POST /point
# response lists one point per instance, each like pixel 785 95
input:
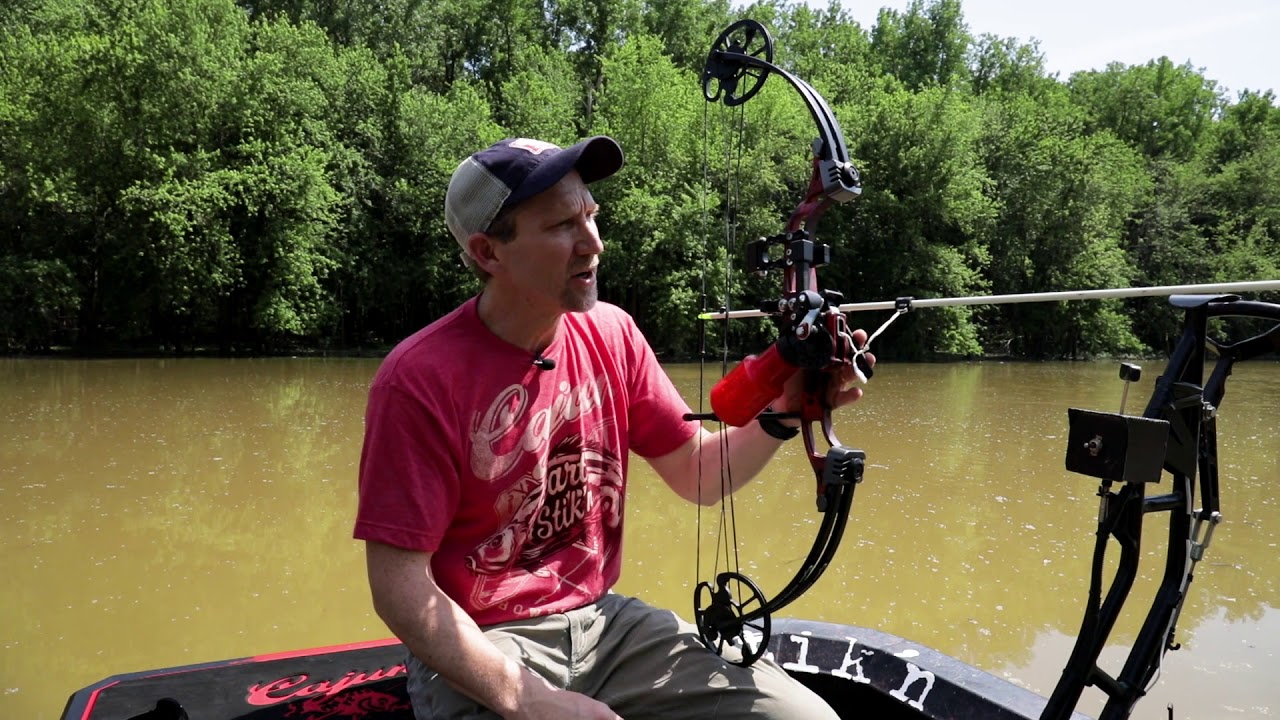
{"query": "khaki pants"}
pixel 640 661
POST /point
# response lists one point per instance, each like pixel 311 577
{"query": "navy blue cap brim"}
pixel 595 158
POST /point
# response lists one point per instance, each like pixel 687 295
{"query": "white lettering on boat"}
pixel 913 674
pixel 850 662
pixel 802 661
pixel 915 687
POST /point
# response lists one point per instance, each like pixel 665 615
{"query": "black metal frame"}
pixel 1188 404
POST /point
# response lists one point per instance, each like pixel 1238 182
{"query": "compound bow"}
pixel 813 338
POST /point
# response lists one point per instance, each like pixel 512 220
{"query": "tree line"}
pixel 251 176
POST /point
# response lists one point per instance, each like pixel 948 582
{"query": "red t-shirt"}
pixel 514 476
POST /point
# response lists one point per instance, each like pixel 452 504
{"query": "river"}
pixel 165 512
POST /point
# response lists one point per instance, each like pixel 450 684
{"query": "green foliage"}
pixel 651 218
pixel 1249 124
pixel 37 299
pixel 542 98
pixel 1162 109
pixel 1064 197
pixel 924 45
pixel 685 28
pixel 408 272
pixel 922 226
pixel 268 174
pixel 1007 66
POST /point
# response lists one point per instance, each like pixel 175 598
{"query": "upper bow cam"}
pixel 814 337
pixel 737 66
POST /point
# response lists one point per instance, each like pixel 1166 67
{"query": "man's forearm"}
pixel 747 450
pixel 442 635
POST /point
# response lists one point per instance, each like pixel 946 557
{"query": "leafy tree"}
pixel 685 28
pixel 1243 203
pixel 921 227
pixel 184 185
pixel 924 45
pixel 408 272
pixel 1064 198
pixel 1247 125
pixel 1008 66
pixel 258 174
pixel 654 214
pixel 829 50
pixel 542 98
pixel 1161 109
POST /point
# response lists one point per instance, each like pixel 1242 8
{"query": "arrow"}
pixel 1107 293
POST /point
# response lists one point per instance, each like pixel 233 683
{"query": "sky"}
pixel 1235 42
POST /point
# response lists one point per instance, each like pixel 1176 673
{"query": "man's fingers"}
pixel 844 397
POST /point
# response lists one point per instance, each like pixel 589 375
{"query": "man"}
pixel 493 475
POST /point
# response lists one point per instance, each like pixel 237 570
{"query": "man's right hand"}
pixel 436 629
pixel 539 700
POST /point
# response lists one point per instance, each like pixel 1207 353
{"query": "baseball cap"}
pixel 516 169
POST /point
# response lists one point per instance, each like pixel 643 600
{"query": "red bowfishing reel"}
pixel 813 335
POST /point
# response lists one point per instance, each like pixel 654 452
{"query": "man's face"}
pixel 551 261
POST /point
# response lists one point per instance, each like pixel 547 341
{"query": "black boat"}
pixel 860 672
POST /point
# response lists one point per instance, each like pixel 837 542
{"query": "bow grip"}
pixel 750 387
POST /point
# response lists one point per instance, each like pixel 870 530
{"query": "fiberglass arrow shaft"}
pixel 1251 286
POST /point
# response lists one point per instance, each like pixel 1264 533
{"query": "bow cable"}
pixel 727 535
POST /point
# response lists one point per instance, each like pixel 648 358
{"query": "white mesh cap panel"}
pixel 472 201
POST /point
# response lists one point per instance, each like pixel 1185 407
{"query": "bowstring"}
pixel 733 153
pixel 702 336
pixel 727 542
pixel 866 346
